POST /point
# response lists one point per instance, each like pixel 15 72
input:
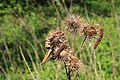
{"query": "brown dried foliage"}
pixel 90 31
pixel 56 40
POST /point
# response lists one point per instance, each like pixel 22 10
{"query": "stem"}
pixel 65 68
pixel 84 40
pixel 21 52
pixel 82 44
pixel 68 74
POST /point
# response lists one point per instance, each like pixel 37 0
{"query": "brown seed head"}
pixel 75 24
pixel 55 43
pixel 73 63
pixel 90 31
pixel 100 38
pixel 54 38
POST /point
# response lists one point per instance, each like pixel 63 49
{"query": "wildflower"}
pixel 54 38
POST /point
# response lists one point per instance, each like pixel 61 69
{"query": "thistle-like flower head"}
pixel 91 30
pixel 55 38
pixel 75 24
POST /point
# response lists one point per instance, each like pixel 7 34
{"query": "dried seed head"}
pixel 73 63
pixel 75 24
pixel 54 38
pixel 55 43
pixel 91 31
pixel 100 38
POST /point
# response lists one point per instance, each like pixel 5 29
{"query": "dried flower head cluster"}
pixel 75 24
pixel 54 41
pixel 73 63
pixel 56 44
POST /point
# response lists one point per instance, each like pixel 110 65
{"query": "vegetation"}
pixel 24 25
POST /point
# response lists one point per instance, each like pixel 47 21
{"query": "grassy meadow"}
pixel 23 31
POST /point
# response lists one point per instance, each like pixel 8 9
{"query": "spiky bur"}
pixel 75 24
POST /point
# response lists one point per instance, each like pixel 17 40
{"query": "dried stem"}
pixel 33 63
pixel 69 74
pixel 84 40
pixel 4 72
pixel 21 52
pixel 7 50
pixel 82 44
pixel 65 69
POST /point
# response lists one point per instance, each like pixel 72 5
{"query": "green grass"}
pixel 22 47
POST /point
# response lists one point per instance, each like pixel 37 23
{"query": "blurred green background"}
pixel 24 24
